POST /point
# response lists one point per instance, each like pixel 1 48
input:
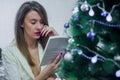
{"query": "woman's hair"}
pixel 19 32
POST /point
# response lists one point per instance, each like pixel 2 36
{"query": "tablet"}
pixel 54 45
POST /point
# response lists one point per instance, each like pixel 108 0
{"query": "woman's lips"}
pixel 37 33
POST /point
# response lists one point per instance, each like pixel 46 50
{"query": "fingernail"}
pixel 61 53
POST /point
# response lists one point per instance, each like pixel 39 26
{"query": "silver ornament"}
pixel 109 17
pixel 84 7
pixel 94 59
pixel 71 40
pixel 68 57
pixel 117 73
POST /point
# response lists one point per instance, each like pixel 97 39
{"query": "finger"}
pixel 49 32
pixel 57 59
pixel 43 28
pixel 58 64
pixel 51 77
pixel 44 31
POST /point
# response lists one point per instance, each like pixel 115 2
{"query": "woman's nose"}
pixel 40 26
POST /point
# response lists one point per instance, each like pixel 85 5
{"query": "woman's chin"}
pixel 37 37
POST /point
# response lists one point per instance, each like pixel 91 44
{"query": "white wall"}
pixel 59 12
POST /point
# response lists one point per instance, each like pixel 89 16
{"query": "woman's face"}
pixel 32 25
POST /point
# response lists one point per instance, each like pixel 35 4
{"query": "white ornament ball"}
pixel 71 40
pixel 68 57
pixel 117 58
pixel 84 7
pixel 117 73
pixel 94 59
pixel 91 12
pixel 58 79
pixel 109 18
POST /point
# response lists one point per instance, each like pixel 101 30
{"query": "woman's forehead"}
pixel 33 15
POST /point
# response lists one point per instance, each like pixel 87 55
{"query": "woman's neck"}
pixel 32 44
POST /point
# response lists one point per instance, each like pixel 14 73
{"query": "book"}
pixel 54 45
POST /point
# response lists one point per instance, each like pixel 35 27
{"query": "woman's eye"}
pixel 42 22
pixel 33 22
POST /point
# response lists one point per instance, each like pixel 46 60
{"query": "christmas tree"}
pixel 93 52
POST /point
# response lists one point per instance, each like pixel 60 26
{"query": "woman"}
pixel 22 57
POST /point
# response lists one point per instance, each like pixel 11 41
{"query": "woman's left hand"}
pixel 48 31
pixel 48 72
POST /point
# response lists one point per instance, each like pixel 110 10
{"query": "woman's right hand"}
pixel 50 69
pixel 49 31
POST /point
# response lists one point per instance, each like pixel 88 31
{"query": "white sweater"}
pixel 16 65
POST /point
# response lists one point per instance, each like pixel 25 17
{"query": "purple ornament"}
pixel 76 19
pixel 91 35
pixel 104 14
pixel 66 25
